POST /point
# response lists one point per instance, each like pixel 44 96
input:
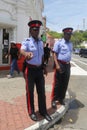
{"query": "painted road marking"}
pixel 76 70
pixel 80 61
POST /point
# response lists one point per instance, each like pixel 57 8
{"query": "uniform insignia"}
pixel 27 39
pixel 32 46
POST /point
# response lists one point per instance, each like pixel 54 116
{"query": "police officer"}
pixel 62 55
pixel 32 49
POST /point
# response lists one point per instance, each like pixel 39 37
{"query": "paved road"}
pixel 76 117
pixel 13 110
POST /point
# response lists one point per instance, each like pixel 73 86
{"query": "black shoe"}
pixel 61 102
pixel 33 116
pixel 47 117
pixel 53 104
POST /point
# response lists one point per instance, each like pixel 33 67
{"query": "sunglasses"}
pixel 35 29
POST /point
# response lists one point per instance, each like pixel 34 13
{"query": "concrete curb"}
pixel 59 113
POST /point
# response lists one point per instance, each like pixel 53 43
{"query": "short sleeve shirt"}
pixel 14 53
pixel 36 47
pixel 63 49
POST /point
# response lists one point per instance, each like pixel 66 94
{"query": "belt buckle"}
pixel 67 62
pixel 37 66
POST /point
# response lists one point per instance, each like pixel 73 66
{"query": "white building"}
pixel 14 16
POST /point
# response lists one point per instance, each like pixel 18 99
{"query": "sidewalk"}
pixel 13 110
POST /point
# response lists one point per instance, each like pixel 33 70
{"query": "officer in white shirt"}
pixel 32 49
pixel 62 51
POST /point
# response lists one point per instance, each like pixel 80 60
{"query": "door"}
pixel 0 46
pixel 5 46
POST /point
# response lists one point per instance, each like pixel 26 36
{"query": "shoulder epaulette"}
pixel 27 39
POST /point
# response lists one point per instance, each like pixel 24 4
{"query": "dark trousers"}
pixel 60 83
pixel 34 76
pixel 46 58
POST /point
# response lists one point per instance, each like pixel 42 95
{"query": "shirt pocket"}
pixel 41 50
pixel 63 49
pixel 33 49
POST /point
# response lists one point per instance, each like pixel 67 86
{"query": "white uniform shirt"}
pixel 36 47
pixel 63 50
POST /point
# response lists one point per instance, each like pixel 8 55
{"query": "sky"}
pixel 65 13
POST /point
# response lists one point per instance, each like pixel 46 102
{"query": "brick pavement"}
pixel 13 110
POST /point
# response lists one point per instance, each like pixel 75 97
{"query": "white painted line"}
pixel 76 70
pixel 80 61
pixel 61 109
pixel 44 124
pixel 37 125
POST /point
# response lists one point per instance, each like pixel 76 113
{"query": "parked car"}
pixel 76 50
pixel 83 52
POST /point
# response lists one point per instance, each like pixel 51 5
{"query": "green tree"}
pixel 55 34
pixel 85 35
pixel 77 38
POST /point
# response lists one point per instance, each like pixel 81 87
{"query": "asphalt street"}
pixel 76 117
pixel 12 91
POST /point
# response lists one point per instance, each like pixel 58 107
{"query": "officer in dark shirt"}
pixel 14 57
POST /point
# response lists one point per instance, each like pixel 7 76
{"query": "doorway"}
pixel 5 45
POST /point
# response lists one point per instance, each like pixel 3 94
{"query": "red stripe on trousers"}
pixel 53 85
pixel 27 91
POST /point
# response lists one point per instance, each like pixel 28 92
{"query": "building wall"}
pixel 14 16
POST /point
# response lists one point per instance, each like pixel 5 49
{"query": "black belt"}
pixel 63 62
pixel 34 66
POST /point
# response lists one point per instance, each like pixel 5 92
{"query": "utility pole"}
pixel 78 27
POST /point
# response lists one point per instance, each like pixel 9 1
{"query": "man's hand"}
pixel 58 67
pixel 28 55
